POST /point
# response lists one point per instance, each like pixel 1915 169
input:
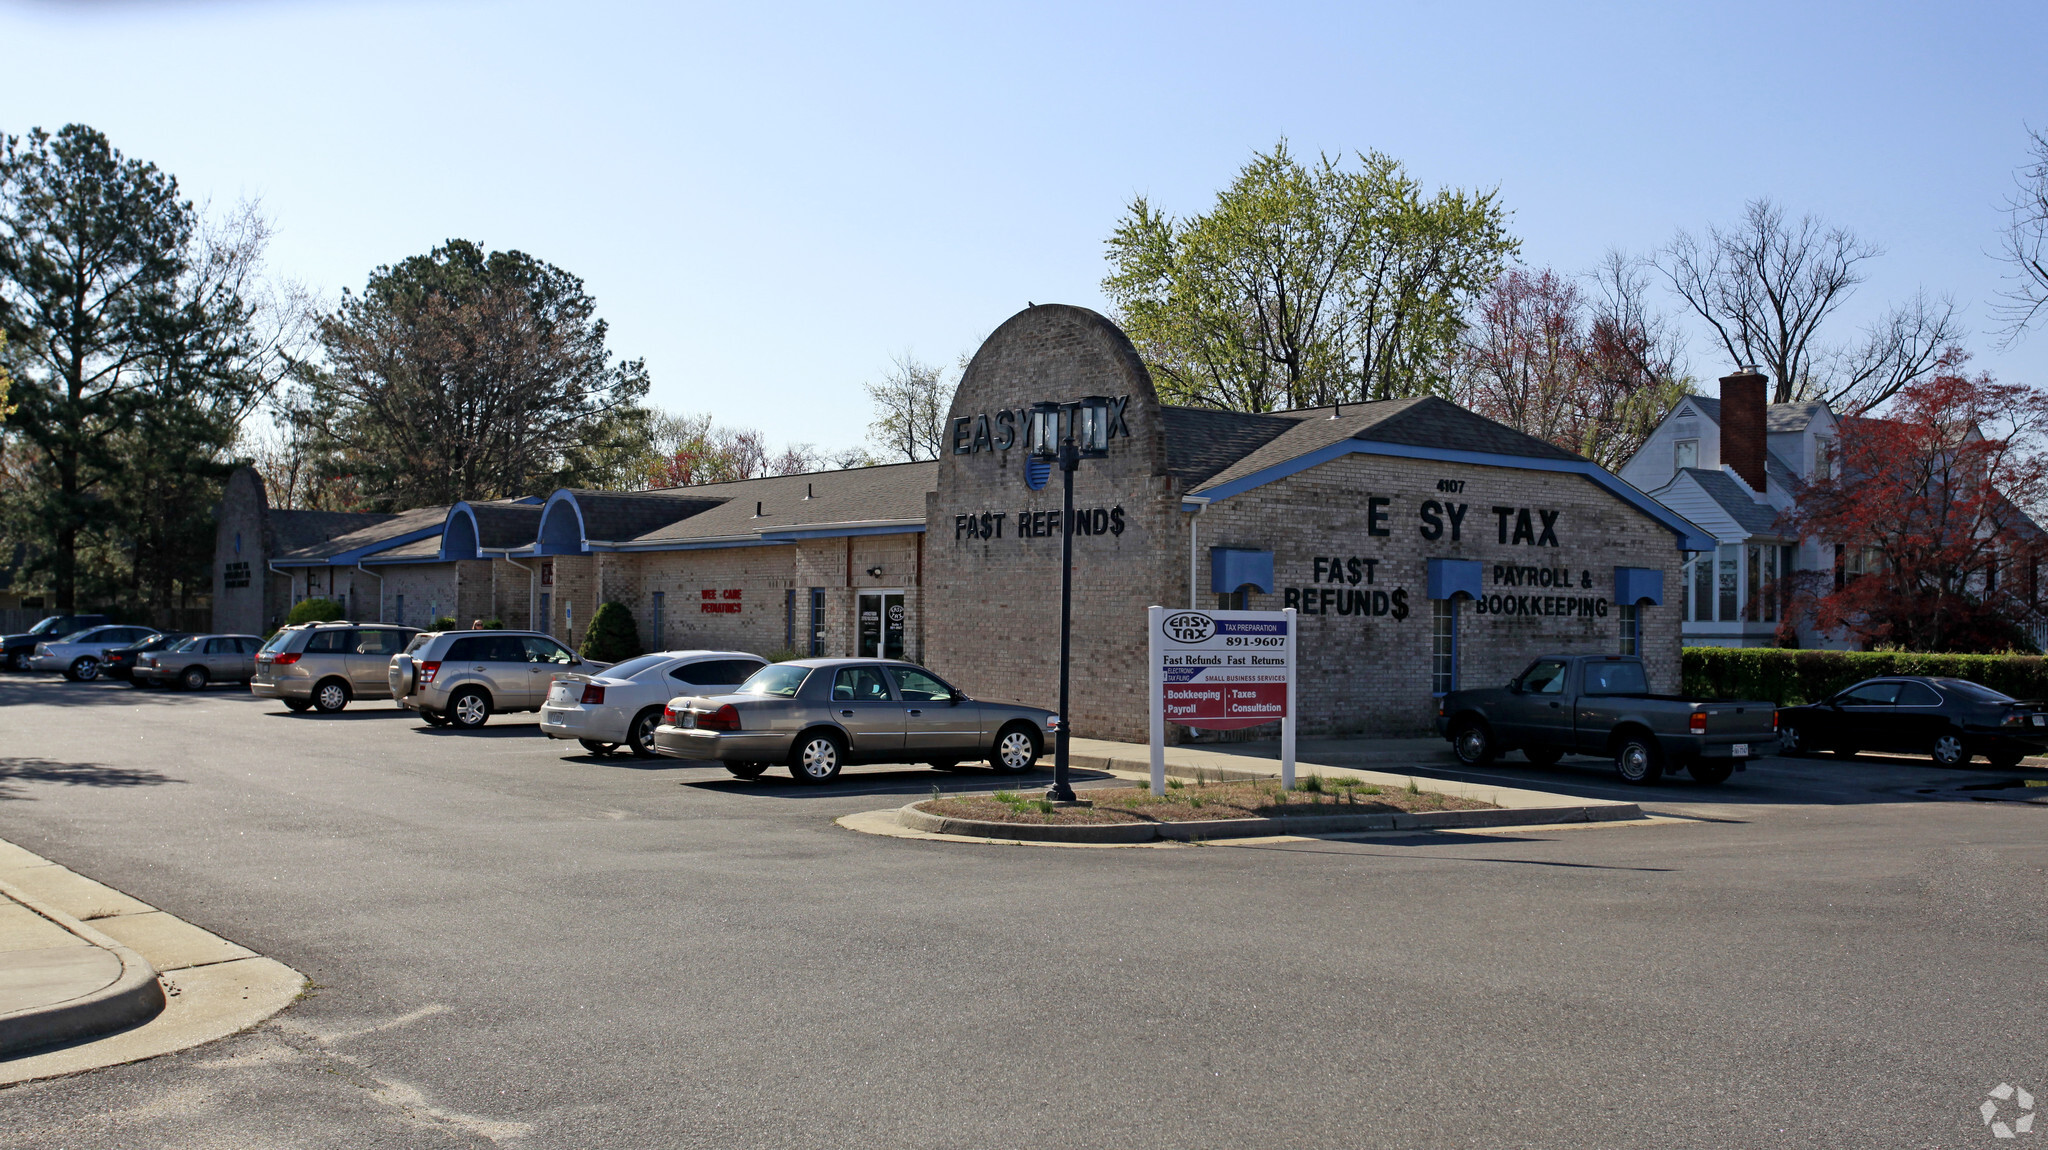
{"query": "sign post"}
pixel 1221 671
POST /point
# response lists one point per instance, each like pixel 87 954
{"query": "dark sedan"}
pixel 1949 719
pixel 119 662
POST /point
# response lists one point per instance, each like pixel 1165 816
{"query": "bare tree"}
pixel 1768 287
pixel 911 403
pixel 2026 243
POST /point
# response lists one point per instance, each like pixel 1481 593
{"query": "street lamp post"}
pixel 1067 433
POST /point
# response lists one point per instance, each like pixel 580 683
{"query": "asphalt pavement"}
pixel 515 943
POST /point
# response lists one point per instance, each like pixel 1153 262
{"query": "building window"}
pixel 1238 600
pixel 817 622
pixel 1730 582
pixel 660 601
pixel 545 617
pixel 1631 623
pixel 1443 651
pixel 1823 458
pixel 1685 453
pixel 1703 588
pixel 789 619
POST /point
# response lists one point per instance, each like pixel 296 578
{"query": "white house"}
pixel 1730 465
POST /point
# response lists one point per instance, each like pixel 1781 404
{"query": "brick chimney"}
pixel 1742 425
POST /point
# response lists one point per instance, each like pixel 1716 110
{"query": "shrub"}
pixel 442 623
pixel 612 636
pixel 493 625
pixel 313 611
pixel 1791 678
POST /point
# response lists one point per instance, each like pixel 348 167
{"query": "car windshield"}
pixel 1977 691
pixel 47 625
pixel 779 680
pixel 187 643
pixel 632 667
pixel 278 640
pixel 418 641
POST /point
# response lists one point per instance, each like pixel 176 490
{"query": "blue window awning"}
pixel 1449 578
pixel 1231 569
pixel 1633 585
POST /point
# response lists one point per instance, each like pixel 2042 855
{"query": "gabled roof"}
pixel 890 497
pixel 294 530
pixel 1201 441
pixel 1420 421
pixel 1778 417
pixel 1753 517
pixel 504 523
pixel 389 531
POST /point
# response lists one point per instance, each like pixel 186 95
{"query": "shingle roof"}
pixel 1777 416
pixel 891 492
pixel 386 527
pixel 612 516
pixel 428 548
pixel 1202 441
pixel 1755 518
pixel 1421 421
pixel 506 523
pixel 293 530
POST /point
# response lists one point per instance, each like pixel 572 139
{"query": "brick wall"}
pixel 240 549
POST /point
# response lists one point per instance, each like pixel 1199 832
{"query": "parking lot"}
pixel 516 943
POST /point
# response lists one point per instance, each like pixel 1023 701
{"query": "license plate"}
pixel 1739 750
pixel 2041 720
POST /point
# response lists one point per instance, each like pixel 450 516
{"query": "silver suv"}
pixel 324 665
pixel 460 678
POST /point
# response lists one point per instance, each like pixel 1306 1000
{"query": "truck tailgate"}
pixel 1737 721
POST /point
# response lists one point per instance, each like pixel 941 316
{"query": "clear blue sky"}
pixel 769 201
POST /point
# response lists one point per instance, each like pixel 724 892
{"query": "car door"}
pixel 219 658
pixel 1864 718
pixel 1538 714
pixel 1918 718
pixel 865 706
pixel 544 659
pixel 936 720
pixel 369 659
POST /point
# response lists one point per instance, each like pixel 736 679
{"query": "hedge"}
pixel 1790 678
pixel 313 611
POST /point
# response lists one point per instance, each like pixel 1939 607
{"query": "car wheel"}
pixel 597 748
pixel 1016 750
pixel 194 679
pixel 296 706
pixel 17 661
pixel 1710 771
pixel 817 757
pixel 640 736
pixel 329 696
pixel 1789 744
pixel 1473 741
pixel 746 770
pixel 2006 758
pixel 1638 760
pixel 434 718
pixel 83 669
pixel 469 709
pixel 1949 750
pixel 1543 756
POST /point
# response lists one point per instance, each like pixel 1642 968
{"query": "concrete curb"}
pixel 134 998
pixel 929 823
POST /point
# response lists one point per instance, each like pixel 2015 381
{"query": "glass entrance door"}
pixel 881 631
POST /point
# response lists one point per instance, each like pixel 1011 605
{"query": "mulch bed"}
pixel 1201 802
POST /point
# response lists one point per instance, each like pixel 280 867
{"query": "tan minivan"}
pixel 324 665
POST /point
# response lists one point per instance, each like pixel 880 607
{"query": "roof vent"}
pixel 808 493
pixel 757 509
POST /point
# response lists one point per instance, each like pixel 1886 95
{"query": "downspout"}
pixel 531 590
pixel 380 589
pixel 1201 503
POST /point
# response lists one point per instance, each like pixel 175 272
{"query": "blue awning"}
pixel 1633 585
pixel 1231 569
pixel 1449 578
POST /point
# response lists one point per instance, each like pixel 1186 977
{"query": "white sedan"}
pixel 78 654
pixel 622 704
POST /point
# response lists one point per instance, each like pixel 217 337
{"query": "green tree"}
pixel 612 635
pixel 1305 286
pixel 468 374
pixel 136 345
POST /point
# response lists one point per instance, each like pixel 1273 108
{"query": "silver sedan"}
pixel 817 715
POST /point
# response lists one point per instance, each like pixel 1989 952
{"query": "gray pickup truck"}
pixel 1602 705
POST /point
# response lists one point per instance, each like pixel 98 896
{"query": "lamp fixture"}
pixel 875 572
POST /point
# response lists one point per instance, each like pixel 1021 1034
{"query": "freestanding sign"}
pixel 1221 671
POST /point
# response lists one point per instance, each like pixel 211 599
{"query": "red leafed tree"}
pixel 1925 505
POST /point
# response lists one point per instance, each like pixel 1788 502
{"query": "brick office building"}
pixel 1425 546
